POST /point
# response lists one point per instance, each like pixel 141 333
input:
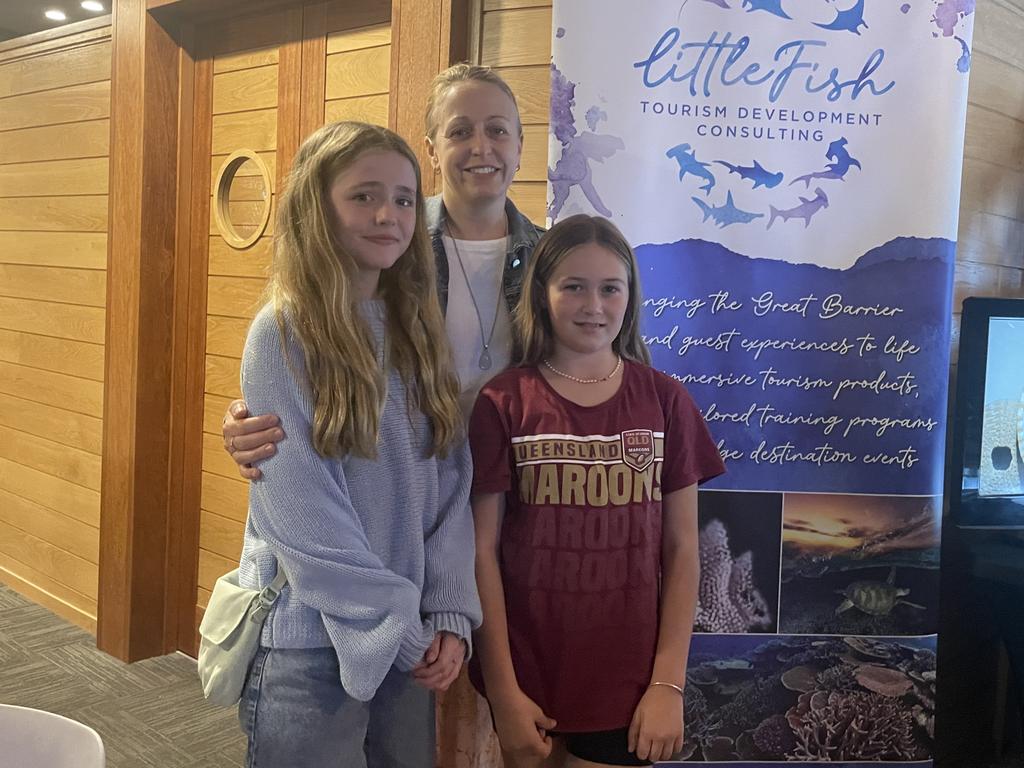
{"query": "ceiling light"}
pixel 92 5
pixel 55 15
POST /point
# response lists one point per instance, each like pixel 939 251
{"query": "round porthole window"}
pixel 241 206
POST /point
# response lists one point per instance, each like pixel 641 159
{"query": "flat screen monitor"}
pixel 986 471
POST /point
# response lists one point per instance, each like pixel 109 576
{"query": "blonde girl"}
pixel 365 505
pixel 586 465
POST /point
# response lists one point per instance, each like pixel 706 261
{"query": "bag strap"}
pixel 268 596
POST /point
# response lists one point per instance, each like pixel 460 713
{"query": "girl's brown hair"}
pixel 533 336
pixel 311 284
pixel 462 73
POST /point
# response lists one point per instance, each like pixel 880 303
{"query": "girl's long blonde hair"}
pixel 533 337
pixel 311 284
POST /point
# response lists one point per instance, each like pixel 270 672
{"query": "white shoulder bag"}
pixel 230 634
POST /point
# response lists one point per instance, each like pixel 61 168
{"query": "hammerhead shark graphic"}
pixel 755 173
pixel 724 215
pixel 689 164
pixel 807 208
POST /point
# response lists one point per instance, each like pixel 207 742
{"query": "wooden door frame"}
pixel 156 283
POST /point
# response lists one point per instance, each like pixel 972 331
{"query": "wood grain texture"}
pixel 56 389
pixel 221 535
pixel 74 501
pixel 59 38
pixel 70 286
pixel 360 37
pixel 255 130
pixel 133 619
pixel 532 87
pixel 55 214
pixel 47 456
pixel 47 353
pixel 367 109
pixel 222 376
pixel 253 261
pixel 358 73
pixel 212 567
pixel 225 336
pixel 235 296
pixel 515 38
pixel 56 142
pixel 55 249
pixel 73 103
pixel 40 588
pixel 74 66
pixel 225 496
pixel 530 198
pixel 75 537
pixel 245 90
pixel 53 422
pixel 58 565
pixel 256 57
pixel 67 321
pixel 56 177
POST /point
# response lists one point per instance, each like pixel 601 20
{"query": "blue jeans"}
pixel 296 713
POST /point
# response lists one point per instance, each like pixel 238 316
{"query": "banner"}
pixel 789 172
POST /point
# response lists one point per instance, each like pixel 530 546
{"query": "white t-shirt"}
pixel 484 261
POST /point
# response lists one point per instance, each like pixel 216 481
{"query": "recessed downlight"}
pixel 54 15
pixel 93 5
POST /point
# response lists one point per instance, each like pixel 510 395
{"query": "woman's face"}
pixel 478 142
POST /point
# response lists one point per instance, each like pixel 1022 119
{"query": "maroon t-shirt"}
pixel 580 549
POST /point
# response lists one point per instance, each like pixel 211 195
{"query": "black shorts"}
pixel 609 747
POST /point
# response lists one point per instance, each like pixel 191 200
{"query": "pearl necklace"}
pixel 564 375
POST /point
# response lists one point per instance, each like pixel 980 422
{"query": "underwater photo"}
pixel 809 699
pixel 864 565
pixel 740 539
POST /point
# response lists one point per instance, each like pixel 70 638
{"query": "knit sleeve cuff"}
pixel 414 647
pixel 456 623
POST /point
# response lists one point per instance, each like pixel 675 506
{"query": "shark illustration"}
pixel 772 6
pixel 807 208
pixel 755 173
pixel 689 164
pixel 724 215
pixel 842 161
pixel 840 157
pixel 849 20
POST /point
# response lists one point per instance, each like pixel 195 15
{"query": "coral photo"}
pixel 740 535
pixel 809 699
pixel 865 565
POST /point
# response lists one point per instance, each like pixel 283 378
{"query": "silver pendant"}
pixel 485 360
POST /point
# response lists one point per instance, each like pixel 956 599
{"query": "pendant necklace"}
pixel 485 362
pixel 578 380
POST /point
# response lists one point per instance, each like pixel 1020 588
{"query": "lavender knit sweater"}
pixel 379 553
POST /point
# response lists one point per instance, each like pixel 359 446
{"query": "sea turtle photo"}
pixel 875 598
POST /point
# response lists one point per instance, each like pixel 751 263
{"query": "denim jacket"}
pixel 523 237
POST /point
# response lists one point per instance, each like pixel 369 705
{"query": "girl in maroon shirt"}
pixel 586 465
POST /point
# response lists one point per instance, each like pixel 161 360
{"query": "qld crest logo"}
pixel 638 448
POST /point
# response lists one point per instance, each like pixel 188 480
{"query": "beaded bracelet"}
pixel 669 685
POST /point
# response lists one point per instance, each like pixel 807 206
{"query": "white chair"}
pixel 32 738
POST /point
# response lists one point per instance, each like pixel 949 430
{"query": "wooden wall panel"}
pixel 515 38
pixel 990 246
pixel 54 178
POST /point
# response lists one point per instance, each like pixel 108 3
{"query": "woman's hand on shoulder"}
pixel 522 726
pixel 441 663
pixel 249 439
pixel 656 732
